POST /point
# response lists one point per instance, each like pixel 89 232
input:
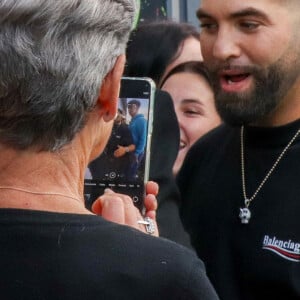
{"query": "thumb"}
pixel 97 206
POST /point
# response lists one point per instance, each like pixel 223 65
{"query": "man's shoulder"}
pixel 174 265
pixel 214 140
pixel 169 264
pixel 207 150
pixel 160 267
pixel 217 134
pixel 140 117
pixel 154 247
pixel 162 252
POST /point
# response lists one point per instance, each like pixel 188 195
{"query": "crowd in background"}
pixel 220 215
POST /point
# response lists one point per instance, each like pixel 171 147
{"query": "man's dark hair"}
pixel 136 102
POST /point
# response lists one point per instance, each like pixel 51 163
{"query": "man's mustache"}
pixel 221 67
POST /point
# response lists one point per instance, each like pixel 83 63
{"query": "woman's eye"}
pixel 192 112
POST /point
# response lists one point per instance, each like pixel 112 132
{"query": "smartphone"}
pixel 124 164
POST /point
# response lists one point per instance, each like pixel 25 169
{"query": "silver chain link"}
pixel 248 200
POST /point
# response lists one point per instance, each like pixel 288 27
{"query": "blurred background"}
pixel 177 10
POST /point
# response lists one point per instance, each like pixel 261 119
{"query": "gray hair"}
pixel 54 55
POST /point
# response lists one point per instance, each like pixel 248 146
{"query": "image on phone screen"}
pixel 123 166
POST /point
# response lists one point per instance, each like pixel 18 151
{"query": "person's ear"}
pixel 109 92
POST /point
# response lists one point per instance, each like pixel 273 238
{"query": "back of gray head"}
pixel 54 55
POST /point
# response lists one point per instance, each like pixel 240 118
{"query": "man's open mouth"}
pixel 231 79
pixel 235 80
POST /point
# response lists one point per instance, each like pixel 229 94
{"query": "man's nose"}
pixel 226 45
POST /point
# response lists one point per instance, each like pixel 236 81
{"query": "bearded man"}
pixel 239 183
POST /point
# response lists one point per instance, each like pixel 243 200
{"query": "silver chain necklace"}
pixel 245 213
pixel 39 193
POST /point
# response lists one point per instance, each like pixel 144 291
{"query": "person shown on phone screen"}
pixel 118 155
pixel 114 163
pixel 138 128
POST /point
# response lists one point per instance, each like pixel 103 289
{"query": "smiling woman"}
pixel 154 48
pixel 190 88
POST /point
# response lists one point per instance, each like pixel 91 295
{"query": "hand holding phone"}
pixel 124 164
pixel 119 209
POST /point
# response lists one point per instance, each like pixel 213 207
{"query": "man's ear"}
pixel 109 92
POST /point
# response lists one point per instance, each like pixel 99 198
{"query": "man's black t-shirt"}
pixel 46 255
pixel 254 261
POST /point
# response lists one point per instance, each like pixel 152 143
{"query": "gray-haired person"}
pixel 60 67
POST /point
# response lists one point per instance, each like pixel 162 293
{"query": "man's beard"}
pixel 268 90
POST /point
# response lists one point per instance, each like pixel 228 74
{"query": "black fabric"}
pixel 46 255
pixel 254 261
pixel 164 149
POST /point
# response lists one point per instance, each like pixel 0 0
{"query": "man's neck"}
pixel 37 172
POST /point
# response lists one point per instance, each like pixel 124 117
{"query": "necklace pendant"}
pixel 245 215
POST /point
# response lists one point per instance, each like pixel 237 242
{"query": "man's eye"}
pixel 249 25
pixel 208 26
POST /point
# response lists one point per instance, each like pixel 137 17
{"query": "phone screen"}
pixel 123 166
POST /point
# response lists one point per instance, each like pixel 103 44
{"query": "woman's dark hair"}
pixel 193 67
pixel 154 45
